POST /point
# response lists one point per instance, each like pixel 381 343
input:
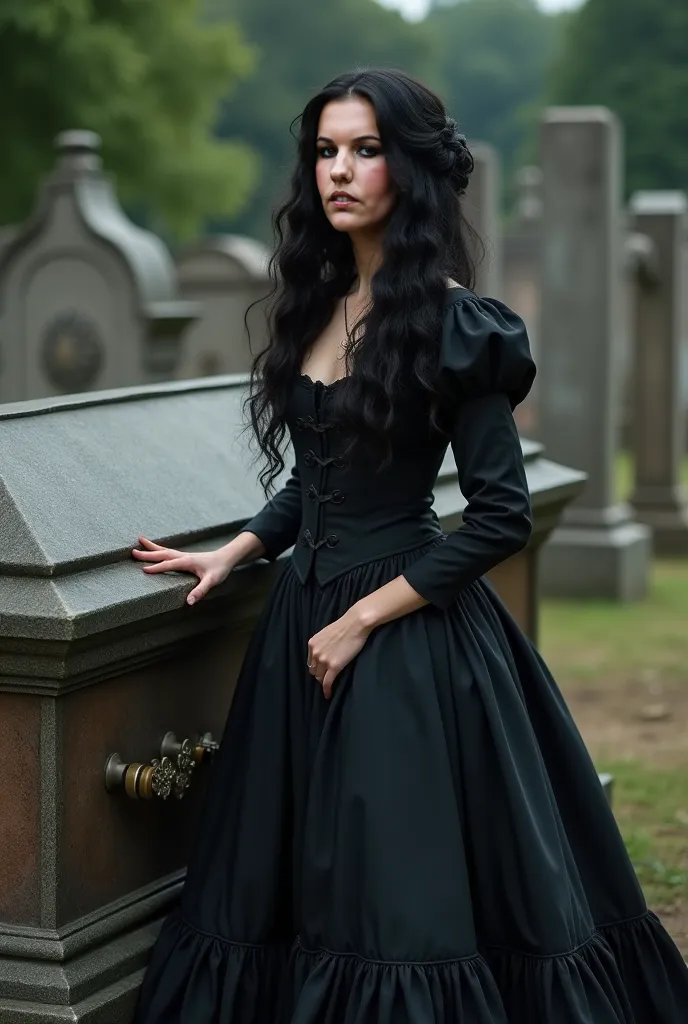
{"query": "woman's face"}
pixel 350 160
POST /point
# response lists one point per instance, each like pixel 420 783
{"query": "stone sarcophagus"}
pixel 105 671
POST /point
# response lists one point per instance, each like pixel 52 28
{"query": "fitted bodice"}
pixel 350 511
pixel 340 510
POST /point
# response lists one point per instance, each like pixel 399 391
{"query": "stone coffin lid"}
pixel 81 477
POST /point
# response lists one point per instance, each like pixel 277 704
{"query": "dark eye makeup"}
pixel 371 151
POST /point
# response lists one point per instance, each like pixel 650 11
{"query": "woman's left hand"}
pixel 331 650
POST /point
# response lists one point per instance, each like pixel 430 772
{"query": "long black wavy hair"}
pixel 426 241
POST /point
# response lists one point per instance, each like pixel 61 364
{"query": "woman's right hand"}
pixel 211 567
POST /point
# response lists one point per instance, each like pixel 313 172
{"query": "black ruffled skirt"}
pixel 430 846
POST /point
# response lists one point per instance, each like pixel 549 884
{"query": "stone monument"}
pixel 659 421
pixel 521 252
pixel 225 274
pixel 521 274
pixel 482 209
pixel 600 550
pixel 87 299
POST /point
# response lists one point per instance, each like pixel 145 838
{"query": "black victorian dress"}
pixel 432 845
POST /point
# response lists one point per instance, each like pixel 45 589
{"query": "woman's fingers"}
pixel 328 682
pixel 151 550
pixel 209 569
pixel 321 673
pixel 201 590
pixel 178 564
pixel 155 556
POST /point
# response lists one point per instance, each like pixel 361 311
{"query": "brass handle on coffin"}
pixel 168 775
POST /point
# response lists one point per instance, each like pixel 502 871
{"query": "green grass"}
pixel 652 809
pixel 625 475
pixel 611 642
pixel 602 646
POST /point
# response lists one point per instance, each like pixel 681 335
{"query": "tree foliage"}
pixel 301 45
pixel 492 62
pixel 147 76
pixel 632 56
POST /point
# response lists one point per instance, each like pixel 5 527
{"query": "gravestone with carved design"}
pixel 88 300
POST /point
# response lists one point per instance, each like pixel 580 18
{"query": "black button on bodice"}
pixel 310 423
pixel 337 496
pixel 307 540
pixel 317 492
pixel 311 459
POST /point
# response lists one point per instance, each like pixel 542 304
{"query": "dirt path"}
pixel 642 719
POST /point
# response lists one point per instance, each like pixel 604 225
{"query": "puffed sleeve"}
pixel 487 368
pixel 277 524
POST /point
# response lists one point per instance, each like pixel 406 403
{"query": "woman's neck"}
pixel 368 257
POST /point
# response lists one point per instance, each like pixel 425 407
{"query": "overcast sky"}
pixel 414 9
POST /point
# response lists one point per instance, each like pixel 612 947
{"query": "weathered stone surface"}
pixel 660 323
pixel 600 550
pixel 482 209
pixel 87 298
pixel 20 837
pixel 224 274
pixel 521 273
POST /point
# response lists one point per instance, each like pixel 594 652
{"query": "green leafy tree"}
pixel 493 58
pixel 302 45
pixel 147 76
pixel 632 56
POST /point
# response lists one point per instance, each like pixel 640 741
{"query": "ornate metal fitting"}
pixel 164 776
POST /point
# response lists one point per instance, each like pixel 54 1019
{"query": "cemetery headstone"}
pixel 225 274
pixel 481 207
pixel 521 271
pixel 521 252
pixel 87 299
pixel 659 434
pixel 600 550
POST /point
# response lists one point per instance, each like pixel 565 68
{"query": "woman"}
pixel 404 826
